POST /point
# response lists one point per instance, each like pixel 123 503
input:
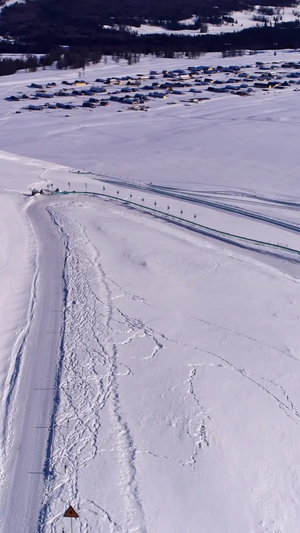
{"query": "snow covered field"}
pixel 149 361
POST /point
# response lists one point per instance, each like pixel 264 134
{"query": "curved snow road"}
pixel 33 381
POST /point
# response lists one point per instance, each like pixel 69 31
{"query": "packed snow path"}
pixel 155 384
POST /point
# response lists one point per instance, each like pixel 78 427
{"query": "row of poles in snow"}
pixel 155 203
pixel 118 192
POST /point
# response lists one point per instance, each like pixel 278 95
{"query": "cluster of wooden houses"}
pixel 137 91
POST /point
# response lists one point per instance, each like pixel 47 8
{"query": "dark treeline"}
pixel 73 57
pixel 11 65
pixel 286 35
pixel 72 13
pixel 78 55
pixel 39 26
pixel 66 20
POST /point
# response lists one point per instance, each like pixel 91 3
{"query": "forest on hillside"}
pixel 37 26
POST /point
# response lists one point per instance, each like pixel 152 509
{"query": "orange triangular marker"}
pixel 71 513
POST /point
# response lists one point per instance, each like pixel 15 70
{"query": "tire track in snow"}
pixel 208 200
pixel 14 372
pixel 286 405
pixel 271 249
pixel 12 381
pixel 248 337
pixel 47 469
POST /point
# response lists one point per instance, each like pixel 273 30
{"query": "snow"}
pixel 242 20
pixel 191 20
pixel 8 3
pixel 149 355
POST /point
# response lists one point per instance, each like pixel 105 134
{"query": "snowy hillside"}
pixel 241 20
pixel 149 359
